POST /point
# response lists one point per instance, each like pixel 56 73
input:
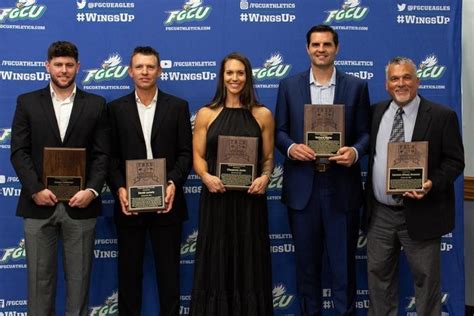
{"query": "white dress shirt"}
pixel 62 110
pixel 147 114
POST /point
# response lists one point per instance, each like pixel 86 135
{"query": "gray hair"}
pixel 399 60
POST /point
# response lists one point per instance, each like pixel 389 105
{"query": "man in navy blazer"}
pixel 148 124
pixel 417 220
pixel 60 115
pixel 323 196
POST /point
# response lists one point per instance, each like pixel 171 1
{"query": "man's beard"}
pixel 63 86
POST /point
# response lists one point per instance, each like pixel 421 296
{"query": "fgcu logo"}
pixel 110 307
pixel 193 120
pixel 362 240
pixel 281 300
pixel 273 68
pixel 350 11
pixel 105 189
pixel 189 247
pixel 193 10
pixel 276 178
pixel 24 10
pixel 5 135
pixel 411 307
pixel 14 254
pixel 429 69
pixel 111 69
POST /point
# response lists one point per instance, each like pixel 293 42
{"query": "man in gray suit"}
pixel 59 115
pixel 416 220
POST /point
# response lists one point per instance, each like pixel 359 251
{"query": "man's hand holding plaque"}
pixel 146 186
pixel 418 195
pixel 407 169
pixel 324 128
pixel 237 158
pixel 64 172
pixel 45 198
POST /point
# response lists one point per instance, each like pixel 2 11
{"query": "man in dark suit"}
pixel 147 124
pixel 59 115
pixel 323 195
pixel 417 220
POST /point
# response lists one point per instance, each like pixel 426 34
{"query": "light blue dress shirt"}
pixel 379 169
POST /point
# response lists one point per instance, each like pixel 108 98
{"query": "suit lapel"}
pixel 304 87
pixel 48 110
pixel 340 88
pixel 132 114
pixel 162 107
pixel 77 108
pixel 305 98
pixel 423 119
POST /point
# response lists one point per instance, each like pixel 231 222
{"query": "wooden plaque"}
pixel 146 184
pixel 324 128
pixel 64 171
pixel 407 166
pixel 237 159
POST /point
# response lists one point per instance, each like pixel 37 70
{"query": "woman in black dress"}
pixel 232 264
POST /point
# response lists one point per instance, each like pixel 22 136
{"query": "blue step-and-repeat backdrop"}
pixel 192 37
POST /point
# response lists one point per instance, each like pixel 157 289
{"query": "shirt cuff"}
pixel 93 191
pixel 357 155
pixel 288 151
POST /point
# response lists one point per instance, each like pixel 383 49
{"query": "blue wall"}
pixel 191 43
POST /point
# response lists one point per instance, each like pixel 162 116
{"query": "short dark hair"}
pixel 248 97
pixel 63 49
pixel 321 28
pixel 145 50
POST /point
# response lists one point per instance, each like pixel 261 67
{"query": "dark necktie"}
pixel 397 135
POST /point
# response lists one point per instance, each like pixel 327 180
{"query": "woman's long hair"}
pixel 248 97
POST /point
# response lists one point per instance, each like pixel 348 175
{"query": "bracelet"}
pixel 266 173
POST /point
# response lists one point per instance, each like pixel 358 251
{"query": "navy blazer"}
pixel 35 127
pixel 293 94
pixel 433 215
pixel 171 138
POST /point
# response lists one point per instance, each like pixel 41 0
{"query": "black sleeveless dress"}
pixel 232 264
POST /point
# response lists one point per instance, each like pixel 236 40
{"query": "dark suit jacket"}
pixel 35 127
pixel 293 93
pixel 433 215
pixel 170 138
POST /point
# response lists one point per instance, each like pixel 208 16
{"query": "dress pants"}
pixel 41 238
pixel 387 234
pixel 323 227
pixel 166 243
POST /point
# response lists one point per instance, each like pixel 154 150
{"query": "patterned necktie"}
pixel 397 135
pixel 398 132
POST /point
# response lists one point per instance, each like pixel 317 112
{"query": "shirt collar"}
pixel 155 98
pixel 332 81
pixel 68 99
pixel 409 109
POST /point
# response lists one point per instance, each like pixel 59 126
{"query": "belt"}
pixel 322 167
